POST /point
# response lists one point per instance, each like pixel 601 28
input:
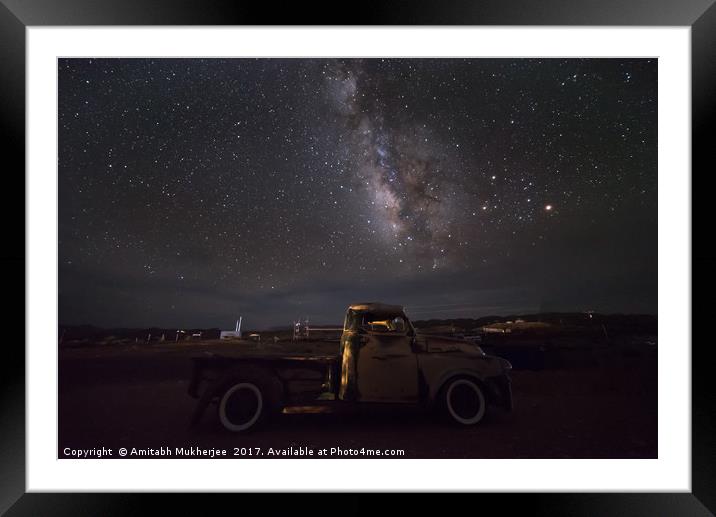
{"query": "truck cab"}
pixel 378 359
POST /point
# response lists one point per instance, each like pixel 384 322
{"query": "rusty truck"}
pixel 381 359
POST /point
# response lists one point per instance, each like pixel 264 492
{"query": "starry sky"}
pixel 192 191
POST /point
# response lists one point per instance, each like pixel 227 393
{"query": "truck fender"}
pixel 446 376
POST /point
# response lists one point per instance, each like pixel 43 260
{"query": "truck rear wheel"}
pixel 242 407
pixel 463 401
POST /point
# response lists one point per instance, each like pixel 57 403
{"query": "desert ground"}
pixel 136 396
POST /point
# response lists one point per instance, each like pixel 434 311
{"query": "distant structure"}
pixel 302 330
pixel 495 330
pixel 228 334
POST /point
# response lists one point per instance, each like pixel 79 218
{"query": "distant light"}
pixel 548 207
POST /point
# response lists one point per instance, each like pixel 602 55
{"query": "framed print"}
pixel 450 240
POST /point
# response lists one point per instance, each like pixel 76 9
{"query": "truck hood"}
pixel 460 349
pixel 443 344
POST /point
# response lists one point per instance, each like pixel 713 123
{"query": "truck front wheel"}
pixel 242 407
pixel 463 401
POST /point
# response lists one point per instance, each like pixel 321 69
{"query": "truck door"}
pixel 387 368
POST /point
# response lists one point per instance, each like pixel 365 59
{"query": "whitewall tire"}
pixel 241 407
pixel 464 402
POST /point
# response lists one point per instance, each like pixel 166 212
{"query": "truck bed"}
pixel 301 357
pixel 302 374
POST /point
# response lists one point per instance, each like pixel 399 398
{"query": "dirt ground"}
pixel 136 397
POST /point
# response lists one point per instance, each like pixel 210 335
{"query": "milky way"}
pixel 399 170
pixel 192 190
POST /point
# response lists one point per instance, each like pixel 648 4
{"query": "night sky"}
pixel 192 191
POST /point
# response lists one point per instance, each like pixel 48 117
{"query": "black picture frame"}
pixel 16 16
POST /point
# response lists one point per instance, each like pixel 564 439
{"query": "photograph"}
pixel 457 240
pixel 357 258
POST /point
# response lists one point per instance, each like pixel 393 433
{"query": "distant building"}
pixel 230 334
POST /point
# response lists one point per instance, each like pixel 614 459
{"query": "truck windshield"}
pixel 377 322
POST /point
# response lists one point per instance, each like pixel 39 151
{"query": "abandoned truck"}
pixel 381 360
